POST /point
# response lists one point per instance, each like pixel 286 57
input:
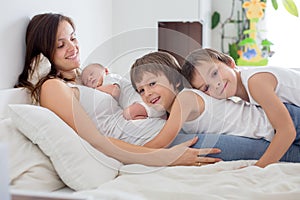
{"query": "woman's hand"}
pixel 192 156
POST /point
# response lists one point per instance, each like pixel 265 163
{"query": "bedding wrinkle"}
pixel 223 180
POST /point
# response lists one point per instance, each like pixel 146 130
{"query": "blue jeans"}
pixel 243 148
pixel 295 115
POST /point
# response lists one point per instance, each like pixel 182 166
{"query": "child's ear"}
pixel 232 63
pixel 106 71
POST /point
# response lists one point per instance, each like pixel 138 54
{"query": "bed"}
pixel 45 155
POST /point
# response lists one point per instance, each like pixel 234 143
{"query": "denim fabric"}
pixel 242 148
pixel 295 114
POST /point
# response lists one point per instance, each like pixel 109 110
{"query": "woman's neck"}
pixel 69 76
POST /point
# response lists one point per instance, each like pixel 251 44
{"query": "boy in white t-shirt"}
pixel 157 75
pixel 98 77
pixel 216 74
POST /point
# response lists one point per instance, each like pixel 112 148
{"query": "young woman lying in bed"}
pixel 59 90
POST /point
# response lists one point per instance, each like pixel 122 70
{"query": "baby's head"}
pixel 211 72
pixel 92 75
pixel 157 63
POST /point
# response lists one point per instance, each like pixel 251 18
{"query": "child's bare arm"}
pixel 112 89
pixel 262 88
pixel 184 107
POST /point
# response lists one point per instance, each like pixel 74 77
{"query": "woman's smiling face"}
pixel 66 54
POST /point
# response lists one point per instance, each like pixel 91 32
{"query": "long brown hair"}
pixel 40 38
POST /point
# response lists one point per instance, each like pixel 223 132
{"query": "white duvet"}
pixel 223 180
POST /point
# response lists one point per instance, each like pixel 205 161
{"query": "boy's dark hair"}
pixel 158 63
pixel 199 56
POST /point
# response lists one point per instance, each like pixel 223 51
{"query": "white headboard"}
pixel 12 96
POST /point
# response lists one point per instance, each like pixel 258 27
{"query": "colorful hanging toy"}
pixel 250 53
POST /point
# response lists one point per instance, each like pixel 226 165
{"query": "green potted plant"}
pixel 246 32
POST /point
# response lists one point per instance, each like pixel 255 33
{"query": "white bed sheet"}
pixel 223 180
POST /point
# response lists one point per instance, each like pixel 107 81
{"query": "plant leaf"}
pixel 247 41
pixel 275 4
pixel 266 42
pixel 215 19
pixel 291 7
pixel 233 51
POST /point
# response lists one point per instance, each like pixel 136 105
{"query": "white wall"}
pixel 112 32
pixel 283 31
pixel 135 25
pixel 93 19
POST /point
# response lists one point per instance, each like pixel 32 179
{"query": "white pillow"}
pixel 77 163
pixel 29 168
